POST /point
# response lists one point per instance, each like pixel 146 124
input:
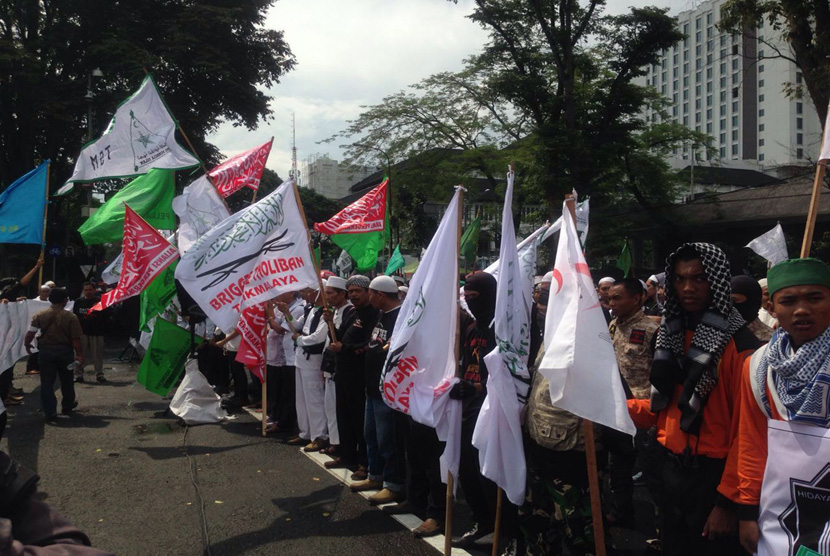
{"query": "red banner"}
pixel 242 170
pixel 251 328
pixel 367 214
pixel 146 253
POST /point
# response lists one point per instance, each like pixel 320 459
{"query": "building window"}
pixel 709 87
pixel 734 49
pixel 799 138
pixel 685 80
pixel 734 78
pixel 723 40
pixel 709 100
pixel 708 73
pixel 709 114
pixel 760 83
pixel 698 36
pixel 709 18
pixel 676 85
pixel 674 59
pixel 722 82
pixel 723 152
pixel 735 106
pixel 686 54
pixel 674 72
pixel 685 107
pixel 723 67
pixel 799 108
pixel 723 96
pixel 734 134
pixel 686 94
pixel 723 110
pixel 760 127
pixel 799 153
pixel 760 68
pixel 698 51
pixel 685 68
pixel 760 54
pixel 760 142
pixel 697 117
pixel 761 157
pixel 697 90
pixel 722 138
pixel 697 23
pixel 761 113
pixel 686 121
pixel 799 123
pixel 798 77
pixel 734 92
pixel 664 89
pixel 761 98
pixel 734 121
pixel 699 77
pixel 674 111
pixel 735 150
pixel 697 104
pixel 697 128
pixel 709 128
pixel 734 63
pixel 722 126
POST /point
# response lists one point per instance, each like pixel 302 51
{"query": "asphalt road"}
pixel 138 483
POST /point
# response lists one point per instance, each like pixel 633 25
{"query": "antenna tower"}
pixel 294 173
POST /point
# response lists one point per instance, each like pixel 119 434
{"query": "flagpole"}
pixel 812 214
pixel 314 259
pixel 204 168
pixel 497 525
pixel 450 488
pixel 265 375
pixel 43 234
pixel 590 449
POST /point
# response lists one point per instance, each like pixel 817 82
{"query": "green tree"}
pixel 804 25
pixel 212 60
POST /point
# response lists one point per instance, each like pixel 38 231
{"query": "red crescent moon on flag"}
pixel 558 277
pixel 583 268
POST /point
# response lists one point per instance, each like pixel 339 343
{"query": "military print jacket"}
pixel 634 339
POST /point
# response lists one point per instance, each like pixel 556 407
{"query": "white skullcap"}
pixel 606 280
pixel 547 278
pixel 762 282
pixel 645 287
pixel 653 279
pixel 384 284
pixel 50 284
pixel 404 289
pixel 336 282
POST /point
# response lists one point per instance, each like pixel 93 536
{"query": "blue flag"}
pixel 21 208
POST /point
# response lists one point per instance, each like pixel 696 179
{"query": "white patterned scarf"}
pixel 801 378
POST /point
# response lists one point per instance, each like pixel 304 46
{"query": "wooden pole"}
pixel 590 450
pixel 265 375
pixel 812 214
pixel 450 488
pixel 497 525
pixel 314 259
pixel 43 234
pixel 204 168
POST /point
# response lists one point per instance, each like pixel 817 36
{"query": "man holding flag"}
pixel 696 377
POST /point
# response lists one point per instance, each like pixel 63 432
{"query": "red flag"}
pixel 146 253
pixel 242 170
pixel 367 214
pixel 252 329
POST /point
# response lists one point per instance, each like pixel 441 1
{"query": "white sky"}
pixel 355 52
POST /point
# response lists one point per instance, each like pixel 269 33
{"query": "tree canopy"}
pixel 211 58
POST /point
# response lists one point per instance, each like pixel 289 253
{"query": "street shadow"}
pixel 303 518
pixel 84 421
pixel 160 453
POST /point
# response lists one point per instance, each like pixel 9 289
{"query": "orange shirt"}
pixel 719 415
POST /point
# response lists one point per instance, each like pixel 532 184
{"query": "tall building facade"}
pixel 330 178
pixel 733 88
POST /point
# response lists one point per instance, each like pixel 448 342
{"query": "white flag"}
pixel 583 211
pixel 421 366
pixel 824 156
pixel 526 248
pixel 344 263
pixel 252 256
pixel 579 358
pixel 498 431
pixel 141 136
pixel 771 245
pixel 199 209
pixel 112 274
pixel 14 323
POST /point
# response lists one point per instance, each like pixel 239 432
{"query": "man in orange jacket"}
pixel 695 376
pixel 785 409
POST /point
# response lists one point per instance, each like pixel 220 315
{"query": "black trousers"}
pixel 350 393
pixel 240 378
pixel 6 382
pixel 425 490
pixel 689 490
pixel 285 402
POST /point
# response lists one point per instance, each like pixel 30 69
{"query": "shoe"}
pixel 297 441
pixel 336 463
pixel 68 411
pixel 314 446
pixel 101 378
pixel 79 379
pixel 15 391
pixel 406 507
pixel 51 420
pixel 15 397
pixel 366 484
pixel 468 539
pixel 361 474
pixel 32 372
pixel 386 496
pixel 332 450
pixel 428 528
pixel 12 401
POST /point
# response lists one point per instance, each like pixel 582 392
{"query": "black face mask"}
pixel 745 285
pixel 483 306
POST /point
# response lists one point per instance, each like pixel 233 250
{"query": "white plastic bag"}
pixel 195 401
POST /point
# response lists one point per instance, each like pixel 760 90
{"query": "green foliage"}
pixel 212 59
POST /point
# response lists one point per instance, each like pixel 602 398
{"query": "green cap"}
pixel 798 272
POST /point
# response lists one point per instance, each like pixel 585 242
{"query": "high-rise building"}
pixel 329 177
pixel 733 88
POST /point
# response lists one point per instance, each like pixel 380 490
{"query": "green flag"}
pixel 624 260
pixel 395 261
pixel 469 241
pixel 164 361
pixel 158 295
pixel 150 195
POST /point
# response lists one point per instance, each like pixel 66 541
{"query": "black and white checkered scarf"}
pixel 697 369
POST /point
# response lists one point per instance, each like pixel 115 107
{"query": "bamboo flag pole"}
pixel 314 259
pixel 204 168
pixel 43 233
pixel 815 199
pixel 265 375
pixel 450 480
pixel 591 451
pixel 497 525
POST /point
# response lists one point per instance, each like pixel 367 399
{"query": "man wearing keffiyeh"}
pixel 695 376
pixel 786 380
